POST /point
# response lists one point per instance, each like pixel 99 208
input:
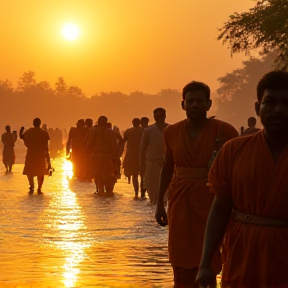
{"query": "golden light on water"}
pixel 68 231
pixel 68 169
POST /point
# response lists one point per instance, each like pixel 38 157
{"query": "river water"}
pixel 70 238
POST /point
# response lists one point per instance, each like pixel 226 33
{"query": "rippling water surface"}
pixel 70 238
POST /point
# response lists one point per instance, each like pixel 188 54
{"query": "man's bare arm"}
pixel 166 176
pixel 218 219
pixel 143 147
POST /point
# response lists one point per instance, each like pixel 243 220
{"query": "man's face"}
pixel 273 111
pixel 159 116
pixel 196 105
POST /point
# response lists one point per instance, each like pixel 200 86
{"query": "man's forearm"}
pixel 165 179
pixel 218 219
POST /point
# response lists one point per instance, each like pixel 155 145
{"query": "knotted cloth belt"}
pixel 257 220
pixel 191 173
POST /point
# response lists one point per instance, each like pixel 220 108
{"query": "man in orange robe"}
pixel 249 178
pixel 75 143
pixel 37 161
pixel 131 161
pixel 8 139
pixel 103 145
pixel 191 146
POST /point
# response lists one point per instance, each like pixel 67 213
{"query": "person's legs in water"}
pixel 6 166
pixel 185 278
pixel 100 184
pixel 31 183
pixel 109 185
pixel 40 180
pixel 135 185
pixel 142 187
pixel 129 179
pixel 96 186
pixel 10 167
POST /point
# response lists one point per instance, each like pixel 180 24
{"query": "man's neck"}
pixel 277 143
pixel 197 124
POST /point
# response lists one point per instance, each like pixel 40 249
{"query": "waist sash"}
pixel 257 220
pixel 191 173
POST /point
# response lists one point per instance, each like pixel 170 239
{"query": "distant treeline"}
pixel 63 105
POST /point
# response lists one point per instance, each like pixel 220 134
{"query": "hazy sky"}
pixel 124 45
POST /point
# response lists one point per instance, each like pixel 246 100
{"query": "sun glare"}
pixel 70 31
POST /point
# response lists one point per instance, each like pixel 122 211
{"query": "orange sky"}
pixel 125 45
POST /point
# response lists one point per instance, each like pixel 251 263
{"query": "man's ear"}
pixel 257 108
pixel 183 105
pixel 209 104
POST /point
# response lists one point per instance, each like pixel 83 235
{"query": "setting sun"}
pixel 70 31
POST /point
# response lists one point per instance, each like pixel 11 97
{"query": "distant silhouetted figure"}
pixel 144 122
pixel 75 142
pixel 37 162
pixel 44 127
pixel 152 153
pixel 120 148
pixel 8 139
pixel 131 161
pixel 87 165
pixel 103 145
pixel 252 129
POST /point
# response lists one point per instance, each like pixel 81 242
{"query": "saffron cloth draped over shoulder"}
pixel 190 200
pixel 245 172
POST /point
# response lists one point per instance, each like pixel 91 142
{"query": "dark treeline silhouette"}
pixel 237 92
pixel 64 105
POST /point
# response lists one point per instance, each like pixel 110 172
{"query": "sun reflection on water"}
pixel 68 169
pixel 69 226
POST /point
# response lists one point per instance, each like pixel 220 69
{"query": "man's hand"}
pixel 161 215
pixel 206 278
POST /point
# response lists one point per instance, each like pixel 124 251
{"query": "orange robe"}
pixel 131 161
pixel 8 140
pixel 103 144
pixel 76 140
pixel 254 256
pixel 36 140
pixel 190 200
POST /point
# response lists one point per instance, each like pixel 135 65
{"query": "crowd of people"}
pixel 227 195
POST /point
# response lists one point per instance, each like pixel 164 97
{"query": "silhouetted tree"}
pixel 6 87
pixel 27 81
pixel 75 91
pixel 237 92
pixel 61 87
pixel 264 26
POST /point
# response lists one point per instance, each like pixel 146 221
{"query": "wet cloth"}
pixel 190 200
pixel 103 144
pixel 8 155
pixel 36 141
pixel 76 142
pixel 244 171
pixel 131 161
pixel 152 152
